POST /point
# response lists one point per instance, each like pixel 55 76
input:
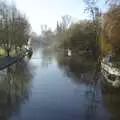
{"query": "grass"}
pixel 3 52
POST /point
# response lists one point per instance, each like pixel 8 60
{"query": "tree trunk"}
pixel 8 52
pixel 16 50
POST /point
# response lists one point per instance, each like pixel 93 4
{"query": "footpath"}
pixel 6 61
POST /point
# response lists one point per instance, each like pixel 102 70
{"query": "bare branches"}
pixel 112 3
pixel 14 27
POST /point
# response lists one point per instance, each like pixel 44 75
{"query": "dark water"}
pixel 51 87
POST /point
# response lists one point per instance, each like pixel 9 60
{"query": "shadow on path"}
pixel 6 61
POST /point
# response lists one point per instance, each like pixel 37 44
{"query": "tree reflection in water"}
pixel 80 68
pixel 47 57
pixel 14 89
pixel 111 101
pixel 83 70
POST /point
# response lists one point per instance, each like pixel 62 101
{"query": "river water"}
pixel 47 87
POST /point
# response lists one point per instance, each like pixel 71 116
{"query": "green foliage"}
pixel 105 47
pixel 78 37
pixel 14 28
pixel 111 28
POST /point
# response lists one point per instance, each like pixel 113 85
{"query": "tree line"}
pixel 110 38
pixel 97 36
pixel 14 28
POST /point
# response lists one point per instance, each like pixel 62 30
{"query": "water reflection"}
pixel 79 68
pixel 83 70
pixel 111 101
pixel 46 57
pixel 54 96
pixel 14 89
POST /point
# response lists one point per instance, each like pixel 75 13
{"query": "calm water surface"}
pixel 48 88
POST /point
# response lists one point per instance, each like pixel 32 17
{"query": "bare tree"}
pixel 15 27
pixel 65 23
pixel 112 3
pixel 95 13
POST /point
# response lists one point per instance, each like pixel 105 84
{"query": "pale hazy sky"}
pixel 49 11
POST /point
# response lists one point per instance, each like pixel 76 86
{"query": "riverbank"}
pixel 6 61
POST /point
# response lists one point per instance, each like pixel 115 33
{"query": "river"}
pixel 55 88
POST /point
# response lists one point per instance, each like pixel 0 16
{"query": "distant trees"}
pixel 47 35
pixel 79 37
pixel 14 28
pixel 65 23
pixel 99 35
pixel 35 39
pixel 82 37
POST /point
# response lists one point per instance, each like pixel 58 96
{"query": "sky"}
pixel 40 12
